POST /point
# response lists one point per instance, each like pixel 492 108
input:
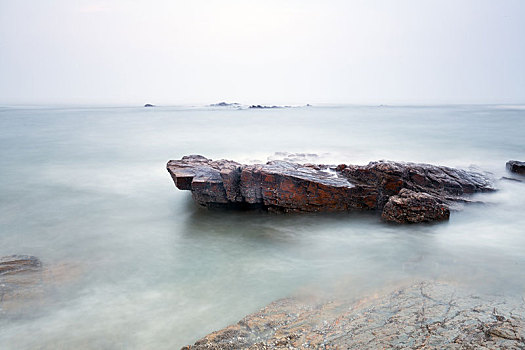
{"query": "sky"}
pixel 262 52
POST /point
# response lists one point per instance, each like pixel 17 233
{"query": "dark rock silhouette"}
pixel 505 178
pixel 149 105
pixel 224 104
pixel 266 107
pixel 516 166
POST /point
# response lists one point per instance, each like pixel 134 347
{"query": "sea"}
pixel 130 262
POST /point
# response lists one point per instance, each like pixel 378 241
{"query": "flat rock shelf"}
pixel 424 315
pixel 281 186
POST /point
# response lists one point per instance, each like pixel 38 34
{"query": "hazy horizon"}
pixel 273 52
pixel 246 105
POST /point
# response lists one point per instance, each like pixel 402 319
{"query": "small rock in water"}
pixel 414 207
pixel 516 166
pixel 149 105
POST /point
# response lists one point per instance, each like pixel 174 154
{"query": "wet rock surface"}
pixel 291 187
pixel 516 166
pixel 409 206
pixel 448 184
pixel 426 315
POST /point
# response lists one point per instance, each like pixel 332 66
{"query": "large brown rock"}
pixel 390 177
pixel 426 315
pixel 293 187
pixel 289 187
pixel 277 185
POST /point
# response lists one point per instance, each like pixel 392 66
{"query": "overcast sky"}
pixel 264 51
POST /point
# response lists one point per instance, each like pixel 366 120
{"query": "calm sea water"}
pixel 133 263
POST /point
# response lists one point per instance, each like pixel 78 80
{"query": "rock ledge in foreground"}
pixel 290 187
pixel 427 315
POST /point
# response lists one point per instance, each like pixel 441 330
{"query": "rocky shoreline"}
pixel 402 192
pixel 425 315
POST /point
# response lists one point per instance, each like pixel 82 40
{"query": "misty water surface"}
pixel 137 265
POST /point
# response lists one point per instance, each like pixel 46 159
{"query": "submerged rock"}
pixel 291 187
pixel 516 166
pixel 505 178
pixel 20 283
pixel 27 286
pixel 18 263
pixel 427 315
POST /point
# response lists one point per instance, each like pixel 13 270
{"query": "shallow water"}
pixel 140 266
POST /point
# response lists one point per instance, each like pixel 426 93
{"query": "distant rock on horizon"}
pixel 225 104
pixel 149 105
pixel 267 107
pixel 276 106
pixel 254 106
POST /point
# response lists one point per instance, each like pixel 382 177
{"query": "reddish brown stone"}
pixel 413 207
pixel 293 187
pixel 444 182
pixel 289 187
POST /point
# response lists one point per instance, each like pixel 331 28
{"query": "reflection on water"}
pixel 86 191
